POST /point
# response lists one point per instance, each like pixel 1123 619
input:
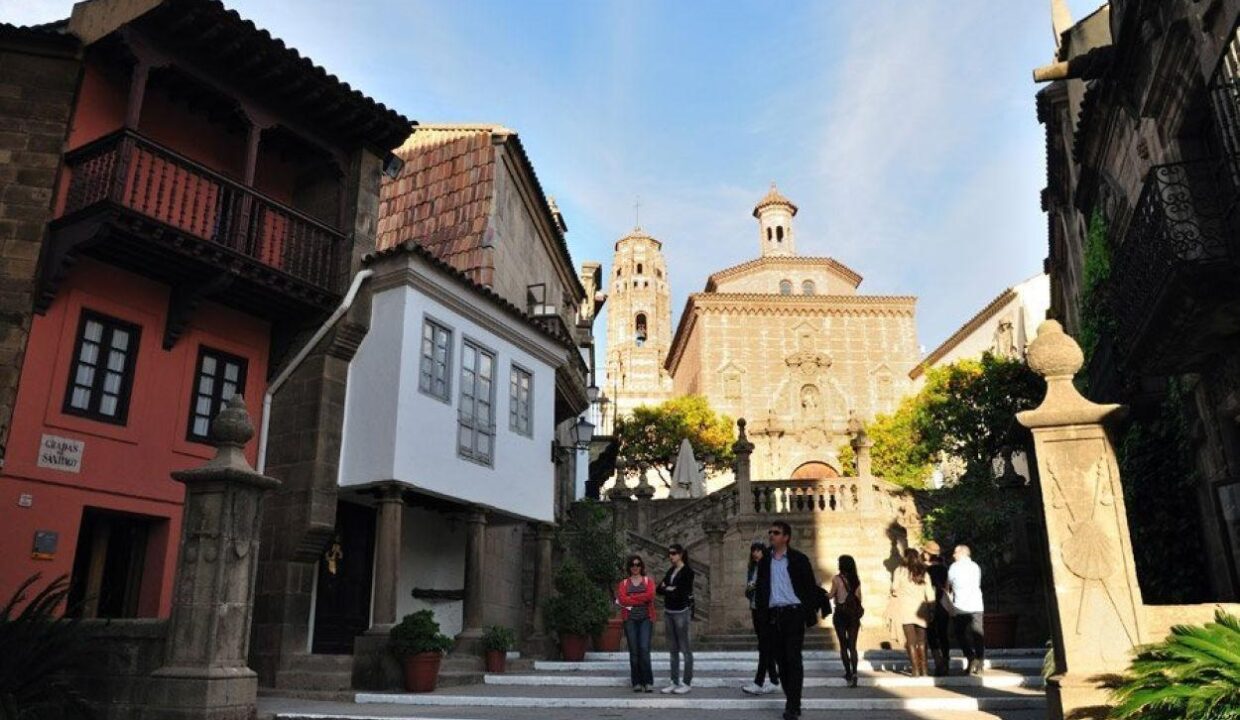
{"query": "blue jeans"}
pixel 637 633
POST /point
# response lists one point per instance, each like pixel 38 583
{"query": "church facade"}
pixel 787 342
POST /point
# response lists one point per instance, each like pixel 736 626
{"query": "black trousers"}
pixel 970 633
pixel 787 628
pixel 938 634
pixel 766 658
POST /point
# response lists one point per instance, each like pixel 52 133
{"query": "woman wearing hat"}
pixel 938 633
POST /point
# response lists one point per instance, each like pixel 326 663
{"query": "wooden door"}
pixel 342 604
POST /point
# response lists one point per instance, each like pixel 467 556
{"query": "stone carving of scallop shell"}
pixel 1087 554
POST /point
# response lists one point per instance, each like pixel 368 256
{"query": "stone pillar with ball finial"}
pixel 205 675
pixel 1097 616
pixel 741 450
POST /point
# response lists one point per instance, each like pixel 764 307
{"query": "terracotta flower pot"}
pixel 573 647
pixel 496 660
pixel 609 639
pixel 1000 629
pixel 422 671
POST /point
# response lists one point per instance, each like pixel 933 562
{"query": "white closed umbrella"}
pixel 687 480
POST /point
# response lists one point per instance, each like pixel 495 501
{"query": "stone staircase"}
pixel 1011 689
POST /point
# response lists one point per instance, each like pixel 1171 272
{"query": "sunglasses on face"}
pixel 672 552
pixel 775 532
pixel 636 565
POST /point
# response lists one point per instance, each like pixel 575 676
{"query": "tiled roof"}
pixel 464 280
pixel 773 197
pixel 442 199
pixel 444 196
pixel 963 332
pixel 286 77
pixel 831 263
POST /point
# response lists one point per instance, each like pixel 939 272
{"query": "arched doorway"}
pixel 814 470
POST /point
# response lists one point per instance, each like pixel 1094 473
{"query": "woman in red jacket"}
pixel 636 597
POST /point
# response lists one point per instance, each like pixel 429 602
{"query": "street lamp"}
pixel 583 433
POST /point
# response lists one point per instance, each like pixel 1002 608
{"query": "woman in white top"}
pixel 914 606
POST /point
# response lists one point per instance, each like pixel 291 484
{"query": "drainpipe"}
pixel 361 277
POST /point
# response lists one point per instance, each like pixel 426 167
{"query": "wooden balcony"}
pixel 144 207
pixel 1173 289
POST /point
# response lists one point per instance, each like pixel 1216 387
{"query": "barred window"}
pixel 520 397
pixel 433 377
pixel 101 376
pixel 219 377
pixel 476 414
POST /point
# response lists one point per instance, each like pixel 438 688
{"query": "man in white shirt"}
pixel 964 582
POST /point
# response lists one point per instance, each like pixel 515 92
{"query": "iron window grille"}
pixel 434 377
pixel 101 376
pixel 219 376
pixel 476 414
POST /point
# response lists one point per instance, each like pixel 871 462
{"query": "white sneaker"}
pixel 669 689
pixel 769 688
pixel 681 689
pixel 752 689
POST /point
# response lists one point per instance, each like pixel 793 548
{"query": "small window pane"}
pixel 231 372
pixel 116 361
pixel 107 405
pixel 120 340
pixel 85 376
pixel 80 399
pixel 112 383
pixel 201 426
pixel 94 331
pixel 205 385
pixel 203 406
pixel 90 353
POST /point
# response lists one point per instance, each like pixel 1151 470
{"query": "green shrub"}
pixel 498 637
pixel 40 646
pixel 579 607
pixel 417 633
pixel 1194 673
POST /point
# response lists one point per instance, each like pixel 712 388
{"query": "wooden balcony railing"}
pixel 127 170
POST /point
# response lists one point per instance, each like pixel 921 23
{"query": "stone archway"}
pixel 814 470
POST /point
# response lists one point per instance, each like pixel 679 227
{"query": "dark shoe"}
pixel 975 668
pixel 852 682
pixel 789 715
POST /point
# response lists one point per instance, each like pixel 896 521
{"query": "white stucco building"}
pixel 451 412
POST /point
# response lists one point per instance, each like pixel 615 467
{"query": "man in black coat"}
pixel 788 591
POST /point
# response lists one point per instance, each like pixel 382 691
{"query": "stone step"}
pixel 993 679
pixel 957 699
pixel 320 673
pixel 816 665
pixel 752 655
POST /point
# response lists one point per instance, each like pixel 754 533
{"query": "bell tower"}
pixel 774 213
pixel 639 325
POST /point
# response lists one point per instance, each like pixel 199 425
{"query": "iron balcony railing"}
pixel 1184 225
pixel 128 170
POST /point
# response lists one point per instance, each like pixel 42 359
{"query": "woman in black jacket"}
pixel 677 592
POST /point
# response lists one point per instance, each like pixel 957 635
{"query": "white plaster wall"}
pixel 432 556
pixel 395 432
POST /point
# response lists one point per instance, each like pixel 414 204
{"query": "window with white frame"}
pixel 520 397
pixel 476 414
pixel 433 378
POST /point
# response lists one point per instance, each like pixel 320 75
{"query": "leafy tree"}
pixel 966 410
pixel 588 537
pixel 650 437
pixel 1194 673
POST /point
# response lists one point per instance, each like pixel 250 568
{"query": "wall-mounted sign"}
pixel 61 453
pixel 45 542
pixel 25 500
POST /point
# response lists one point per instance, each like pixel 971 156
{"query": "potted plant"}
pixel 589 537
pixel 497 641
pixel 418 644
pixel 578 610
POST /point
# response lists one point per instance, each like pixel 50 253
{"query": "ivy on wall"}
pixel 1160 488
pixel 1096 319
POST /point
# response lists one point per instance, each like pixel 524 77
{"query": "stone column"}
pixel 388 535
pixel 374 668
pixel 715 528
pixel 542 586
pixel 205 675
pixel 861 444
pixel 475 581
pixel 742 449
pixel 1097 613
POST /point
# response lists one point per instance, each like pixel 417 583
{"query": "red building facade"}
pixel 210 205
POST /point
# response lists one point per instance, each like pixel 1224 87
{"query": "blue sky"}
pixel 905 131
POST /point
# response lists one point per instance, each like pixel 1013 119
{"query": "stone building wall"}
pixel 38 79
pixel 766 279
pixel 795 367
pixel 638 286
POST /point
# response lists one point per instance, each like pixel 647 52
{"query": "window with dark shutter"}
pixel 101 376
pixel 219 377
